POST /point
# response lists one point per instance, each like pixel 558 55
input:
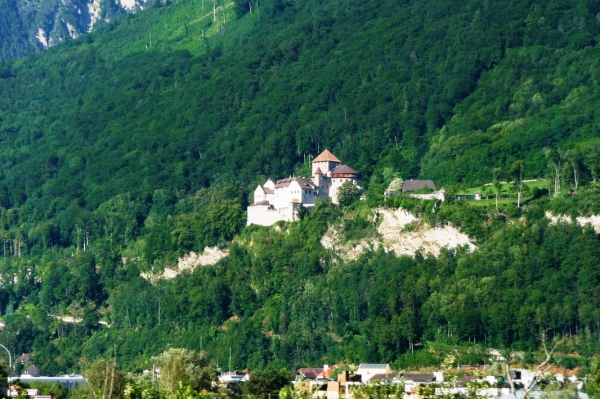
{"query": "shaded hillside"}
pixel 373 81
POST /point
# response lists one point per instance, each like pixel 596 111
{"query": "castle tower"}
pixel 326 161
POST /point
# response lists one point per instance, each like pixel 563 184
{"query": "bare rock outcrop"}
pixel 400 232
pixel 209 256
pixel 593 220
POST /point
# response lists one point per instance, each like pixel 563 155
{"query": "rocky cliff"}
pixel 28 26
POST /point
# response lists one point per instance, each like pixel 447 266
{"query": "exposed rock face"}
pixel 209 256
pixel 593 220
pixel 399 232
pixel 30 26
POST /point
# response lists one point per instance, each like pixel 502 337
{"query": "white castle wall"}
pixel 264 215
pixel 437 195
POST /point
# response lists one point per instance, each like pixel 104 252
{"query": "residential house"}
pixel 415 185
pixel 31 371
pixel 412 381
pixel 32 393
pixel 368 371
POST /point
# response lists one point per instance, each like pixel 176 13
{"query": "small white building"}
pixel 280 200
pixel 33 393
pixel 368 371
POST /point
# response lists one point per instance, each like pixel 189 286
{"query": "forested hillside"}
pixel 129 147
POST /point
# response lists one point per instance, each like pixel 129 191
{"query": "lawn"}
pixel 488 190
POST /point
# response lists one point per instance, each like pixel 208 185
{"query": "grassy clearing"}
pixel 492 201
pixel 488 190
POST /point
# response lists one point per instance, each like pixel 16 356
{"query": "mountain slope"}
pixel 280 84
pixel 32 26
pixel 131 146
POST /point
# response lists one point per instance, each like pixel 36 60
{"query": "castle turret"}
pixel 326 161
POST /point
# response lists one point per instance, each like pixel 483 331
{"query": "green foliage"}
pixel 267 383
pixel 348 194
pixel 592 383
pixel 119 156
pixel 181 369
pixel 584 203
pixel 415 360
pixel 571 362
pixel 104 379
pixel 56 390
pixel 378 391
pixel 358 222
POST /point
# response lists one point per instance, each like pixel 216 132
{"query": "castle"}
pixel 275 201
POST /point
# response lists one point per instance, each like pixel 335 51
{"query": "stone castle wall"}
pixel 264 215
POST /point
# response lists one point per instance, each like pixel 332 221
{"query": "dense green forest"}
pixel 128 147
pixel 281 299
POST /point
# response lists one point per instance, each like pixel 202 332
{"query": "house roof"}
pixel 318 171
pixel 316 373
pixel 373 366
pixel 25 357
pixel 380 377
pixel 262 203
pixel 326 156
pixel 310 372
pixel 327 373
pixel 302 181
pixel 345 169
pixel 412 185
pixel 419 377
pixel 31 370
pixel 265 189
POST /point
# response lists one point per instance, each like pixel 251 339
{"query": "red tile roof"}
pixel 310 372
pixel 326 156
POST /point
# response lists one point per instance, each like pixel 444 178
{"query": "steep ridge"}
pixel 263 94
pixel 33 26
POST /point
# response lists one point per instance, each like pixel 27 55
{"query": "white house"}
pixel 368 371
pixel 280 200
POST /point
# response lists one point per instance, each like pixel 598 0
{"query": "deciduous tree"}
pixel 348 193
pixel 183 366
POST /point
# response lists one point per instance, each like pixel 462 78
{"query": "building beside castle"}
pixel 280 200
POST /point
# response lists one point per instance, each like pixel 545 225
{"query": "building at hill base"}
pixel 280 200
